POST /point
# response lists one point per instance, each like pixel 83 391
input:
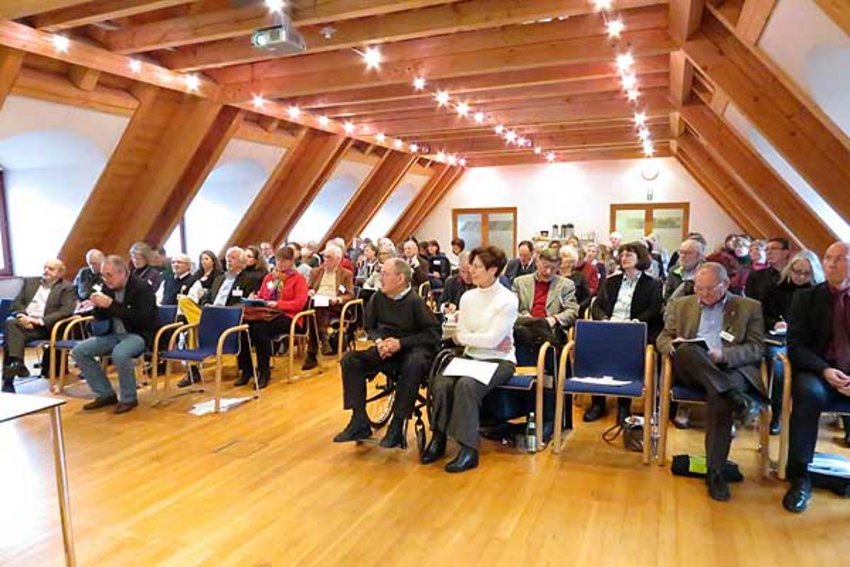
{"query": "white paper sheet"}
pixel 600 381
pixel 204 408
pixel 321 301
pixel 477 369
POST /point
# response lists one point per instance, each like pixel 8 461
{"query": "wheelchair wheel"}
pixel 380 395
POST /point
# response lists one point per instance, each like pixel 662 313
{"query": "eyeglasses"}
pixel 774 248
pixel 708 289
pixel 801 273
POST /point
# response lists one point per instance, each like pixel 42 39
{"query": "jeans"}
pixel 123 349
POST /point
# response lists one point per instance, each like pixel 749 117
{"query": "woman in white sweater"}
pixel 485 328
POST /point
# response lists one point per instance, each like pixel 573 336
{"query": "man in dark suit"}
pixel 456 285
pixel 732 327
pixel 523 264
pixel 819 350
pixel 40 304
pixel 760 282
pixel 125 322
pixel 231 286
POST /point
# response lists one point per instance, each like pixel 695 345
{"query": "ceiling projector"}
pixel 279 39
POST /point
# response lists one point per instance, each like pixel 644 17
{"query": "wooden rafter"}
pixel 291 187
pixel 448 181
pixel 838 11
pixel 56 88
pixel 685 18
pixel 371 195
pixel 751 172
pixel 96 11
pixel 14 9
pixel 813 150
pixel 10 65
pixel 401 227
pixel 753 19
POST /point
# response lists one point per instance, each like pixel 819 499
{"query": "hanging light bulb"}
pixel 510 136
pixel 462 162
pixel 632 95
pixel 640 118
pixel 538 150
pixel 441 156
pixel 349 128
pixel 275 5
pixel 629 82
pixel 442 98
pixel 452 159
pixel 381 137
pixel 258 101
pixel 521 141
pixel 414 147
pixel 499 129
pixel 462 109
pixel 294 112
pixel 398 144
pixel 648 148
pixel 192 82
pixel 550 157
pixel 324 121
pixel 478 117
pixel 61 43
pixel 602 5
pixel 643 134
pixel 372 57
pixel 625 62
pixel 135 66
pixel 419 83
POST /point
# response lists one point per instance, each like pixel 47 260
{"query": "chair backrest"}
pixel 167 315
pixel 5 308
pixel 605 348
pixel 11 287
pixel 214 321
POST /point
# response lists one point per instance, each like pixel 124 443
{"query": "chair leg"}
pixel 663 424
pixel 764 442
pixel 785 433
pixel 292 357
pixel 218 384
pixel 559 416
pixel 647 424
pixel 53 370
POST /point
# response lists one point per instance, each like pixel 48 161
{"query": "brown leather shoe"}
pixel 124 407
pixel 101 402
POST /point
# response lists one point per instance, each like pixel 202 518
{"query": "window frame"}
pixel 7 268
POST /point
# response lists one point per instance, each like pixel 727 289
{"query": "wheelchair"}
pixel 380 397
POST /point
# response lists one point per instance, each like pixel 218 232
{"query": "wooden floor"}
pixel 263 485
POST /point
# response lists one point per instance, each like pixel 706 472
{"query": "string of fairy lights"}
pixel 511 135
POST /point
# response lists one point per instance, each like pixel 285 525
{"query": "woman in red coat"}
pixel 285 292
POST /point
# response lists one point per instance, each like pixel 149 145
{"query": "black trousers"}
pixel 457 402
pixel 692 367
pixel 811 394
pixel 323 317
pixel 16 338
pixel 410 367
pixel 262 333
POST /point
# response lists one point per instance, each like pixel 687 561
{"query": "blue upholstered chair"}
pixel 618 350
pixel 217 335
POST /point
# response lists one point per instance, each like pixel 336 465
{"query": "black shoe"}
pixel 193 376
pixel 435 450
pixel 124 407
pixel 798 496
pixel 622 413
pixel 717 487
pixel 775 425
pixel 310 362
pixel 245 376
pixel 356 430
pixel 263 379
pixel 594 412
pixel 21 370
pixel 746 408
pixel 466 459
pixel 101 402
pixel 9 371
pixel 9 385
pixel 395 435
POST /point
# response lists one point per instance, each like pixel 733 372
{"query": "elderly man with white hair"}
pixel 89 275
pixel 39 305
pixel 230 287
pixel 178 283
pixel 330 287
pixel 680 280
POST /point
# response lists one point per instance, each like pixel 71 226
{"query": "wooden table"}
pixel 13 406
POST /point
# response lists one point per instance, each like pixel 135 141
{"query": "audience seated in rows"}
pixel 456 285
pixel 417 263
pixel 569 258
pixel 592 268
pixel 178 283
pixel 759 283
pixel 523 264
pixel 40 304
pixel 680 279
pixel 334 286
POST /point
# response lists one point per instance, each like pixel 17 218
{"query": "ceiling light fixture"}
pixel 419 83
pixel 442 98
pixel 294 112
pixel 349 128
pixel 61 43
pixel 372 57
pixel 615 27
pixel 135 66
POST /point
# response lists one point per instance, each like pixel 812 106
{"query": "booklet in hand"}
pixel 698 342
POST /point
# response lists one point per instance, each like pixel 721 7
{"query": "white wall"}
pixel 580 192
pixel 386 216
pixel 52 155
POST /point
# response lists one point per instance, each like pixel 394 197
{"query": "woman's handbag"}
pixel 252 314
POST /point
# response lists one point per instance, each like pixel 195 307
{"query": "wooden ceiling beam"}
pixel 96 11
pixel 84 78
pixel 57 88
pixel 25 38
pixel 14 9
pixel 721 190
pixel 291 187
pixel 525 78
pixel 592 110
pixel 681 78
pixel 814 150
pixel 490 52
pixel 685 18
pixel 334 11
pixel 749 169
pixel 603 154
pixel 400 228
pixel 371 195
pixel 838 11
pixel 11 61
pixel 206 156
pixel 400 26
pixel 448 181
pixel 753 20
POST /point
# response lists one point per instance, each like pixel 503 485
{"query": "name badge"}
pixel 236 292
pixel 342 289
pixel 437 261
pixel 270 285
pixel 728 337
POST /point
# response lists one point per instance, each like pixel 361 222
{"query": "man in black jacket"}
pixel 760 282
pixel 40 304
pixel 819 349
pixel 406 335
pixel 456 285
pixel 125 322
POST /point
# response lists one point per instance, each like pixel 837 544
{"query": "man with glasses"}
pixel 125 321
pixel 760 282
pixel 547 303
pixel 406 336
pixel 680 280
pixel 725 364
